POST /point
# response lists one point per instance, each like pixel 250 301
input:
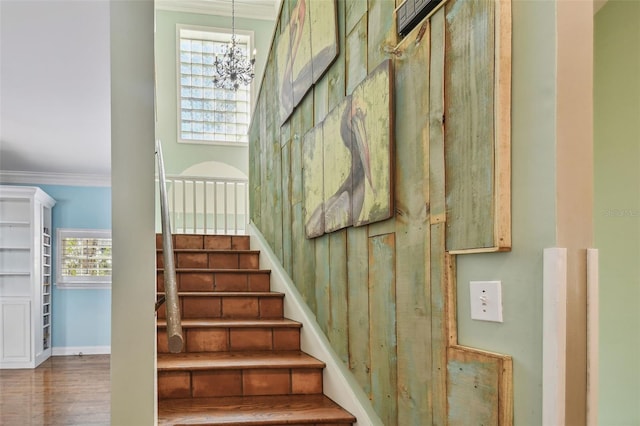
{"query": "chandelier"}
pixel 232 68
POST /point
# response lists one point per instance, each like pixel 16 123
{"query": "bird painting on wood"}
pixel 306 48
pixel 313 181
pixel 354 172
pixel 375 98
pixel 347 169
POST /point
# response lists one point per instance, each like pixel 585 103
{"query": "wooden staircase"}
pixel 241 363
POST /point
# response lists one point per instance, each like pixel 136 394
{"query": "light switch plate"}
pixel 486 300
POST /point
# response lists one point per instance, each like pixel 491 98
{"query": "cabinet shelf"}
pixel 14 273
pixel 14 223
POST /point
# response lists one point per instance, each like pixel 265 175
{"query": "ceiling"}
pixel 55 112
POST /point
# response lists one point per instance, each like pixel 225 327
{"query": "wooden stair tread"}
pixel 228 294
pixel 254 410
pixel 234 323
pixel 237 360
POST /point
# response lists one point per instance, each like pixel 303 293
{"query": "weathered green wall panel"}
pixel 336 78
pixel 323 283
pixel 382 298
pixel 355 10
pixel 254 173
pixel 438 209
pixel 473 390
pixel 469 135
pixel 338 313
pixel 358 305
pixel 381 33
pixel 276 201
pixel 356 51
pixel 287 219
pixel 412 230
pixel 437 220
pixel 438 388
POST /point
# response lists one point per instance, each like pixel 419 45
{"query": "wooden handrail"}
pixel 174 322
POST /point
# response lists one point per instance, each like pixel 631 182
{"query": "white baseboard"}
pixel 339 383
pixel 80 350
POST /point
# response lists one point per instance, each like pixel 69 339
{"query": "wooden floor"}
pixel 64 390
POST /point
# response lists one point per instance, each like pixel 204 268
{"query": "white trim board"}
pixel 554 336
pixel 80 350
pixel 69 179
pixel 593 336
pixel 255 9
pixel 339 383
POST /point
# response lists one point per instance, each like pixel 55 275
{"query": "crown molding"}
pixel 69 179
pixel 255 9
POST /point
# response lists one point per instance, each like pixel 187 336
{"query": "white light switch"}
pixel 486 300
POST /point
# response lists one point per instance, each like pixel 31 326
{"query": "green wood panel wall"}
pixel 382 326
pixel 437 217
pixel 469 111
pixel 355 10
pixel 412 246
pixel 379 292
pixel 358 305
pixel 356 55
pixel 478 390
pixel 338 313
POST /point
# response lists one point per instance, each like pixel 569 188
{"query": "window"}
pixel 207 114
pixel 83 258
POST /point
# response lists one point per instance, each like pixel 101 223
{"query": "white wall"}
pixel 133 330
pixel 54 86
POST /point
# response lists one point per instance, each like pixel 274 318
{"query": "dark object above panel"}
pixel 411 12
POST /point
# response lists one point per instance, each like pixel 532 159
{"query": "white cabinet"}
pixel 25 276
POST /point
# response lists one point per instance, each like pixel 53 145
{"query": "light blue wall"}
pixel 80 317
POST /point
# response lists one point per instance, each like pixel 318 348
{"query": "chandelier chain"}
pixel 233 68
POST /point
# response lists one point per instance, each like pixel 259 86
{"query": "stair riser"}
pixel 248 382
pixel 213 260
pixel 215 242
pixel 209 307
pixel 234 339
pixel 218 281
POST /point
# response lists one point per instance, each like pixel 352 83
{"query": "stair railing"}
pixel 208 205
pixel 174 323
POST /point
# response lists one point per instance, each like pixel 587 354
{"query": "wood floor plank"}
pixel 57 392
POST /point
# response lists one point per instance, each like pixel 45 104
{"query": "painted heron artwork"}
pixel 347 160
pixel 306 48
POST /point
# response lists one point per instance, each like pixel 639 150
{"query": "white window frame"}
pixel 101 282
pixel 216 34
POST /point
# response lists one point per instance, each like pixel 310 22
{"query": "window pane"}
pixel 85 257
pixel 209 113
